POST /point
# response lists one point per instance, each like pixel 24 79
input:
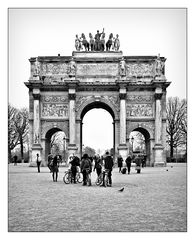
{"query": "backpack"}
pixel 124 171
pixel 86 164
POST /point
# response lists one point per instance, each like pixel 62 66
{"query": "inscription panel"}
pixel 54 68
pixel 97 69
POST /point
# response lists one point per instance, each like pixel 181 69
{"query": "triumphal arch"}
pixel 62 89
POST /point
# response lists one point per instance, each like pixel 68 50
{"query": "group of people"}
pixel 139 161
pixel 84 166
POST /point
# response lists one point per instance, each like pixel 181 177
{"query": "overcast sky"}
pixel 48 32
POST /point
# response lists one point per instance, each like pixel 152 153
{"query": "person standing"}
pixel 120 162
pixel 86 168
pixel 128 163
pixel 108 165
pixel 15 160
pixel 55 168
pixel 98 165
pixel 74 163
pixel 38 163
pixel 50 161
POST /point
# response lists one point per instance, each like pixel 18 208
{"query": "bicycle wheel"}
pixel 79 177
pixel 67 178
pixel 99 180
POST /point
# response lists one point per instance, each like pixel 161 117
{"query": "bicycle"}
pixel 99 179
pixel 68 178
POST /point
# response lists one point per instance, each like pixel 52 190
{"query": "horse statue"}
pixel 85 42
pixel 116 43
pixel 78 43
pixel 109 42
pixel 91 42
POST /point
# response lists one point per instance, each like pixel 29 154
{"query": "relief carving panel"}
pixel 54 68
pixel 54 106
pixel 140 70
pixel 139 110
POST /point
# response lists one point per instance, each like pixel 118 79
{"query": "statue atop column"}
pixel 122 67
pixel 72 68
pixel 159 66
pixel 37 68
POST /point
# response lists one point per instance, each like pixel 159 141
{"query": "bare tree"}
pixel 57 143
pixel 21 126
pixel 13 136
pixel 90 151
pixel 176 121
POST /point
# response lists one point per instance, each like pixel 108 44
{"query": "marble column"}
pixel 72 124
pixel 122 145
pixel 158 147
pixel 36 138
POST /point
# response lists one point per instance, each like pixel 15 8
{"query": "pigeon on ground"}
pixel 167 170
pixel 121 190
pixel 171 166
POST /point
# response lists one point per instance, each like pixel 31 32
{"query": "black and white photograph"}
pixel 97 120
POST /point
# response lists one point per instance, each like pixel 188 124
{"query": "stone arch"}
pixel 46 126
pixel 147 135
pixel 99 103
pixel 91 104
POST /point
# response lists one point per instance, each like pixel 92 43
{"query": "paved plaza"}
pixel 155 200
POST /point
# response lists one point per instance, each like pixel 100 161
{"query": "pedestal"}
pixel 123 151
pixel 159 156
pixel 36 148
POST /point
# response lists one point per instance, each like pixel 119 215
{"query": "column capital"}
pixel 36 93
pixel 158 93
pixel 72 96
pixel 122 96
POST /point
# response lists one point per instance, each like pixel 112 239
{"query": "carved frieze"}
pixel 140 98
pixel 140 70
pixel 139 110
pixel 50 99
pixel 54 106
pixel 54 68
pixel 97 69
pixel 54 110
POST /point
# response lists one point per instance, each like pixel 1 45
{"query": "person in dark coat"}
pixel 98 165
pixel 74 163
pixel 38 163
pixel 120 163
pixel 86 168
pixel 15 160
pixel 108 165
pixel 128 163
pixel 55 168
pixel 50 161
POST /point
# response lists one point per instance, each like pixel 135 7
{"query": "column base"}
pixel 123 151
pixel 36 148
pixel 159 160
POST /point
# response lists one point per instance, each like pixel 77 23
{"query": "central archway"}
pixel 97 105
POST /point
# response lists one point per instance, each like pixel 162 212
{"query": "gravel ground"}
pixel 153 201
